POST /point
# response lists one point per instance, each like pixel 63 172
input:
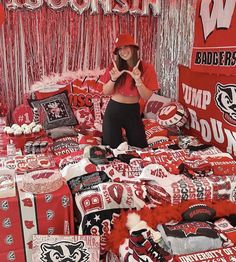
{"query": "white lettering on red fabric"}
pixel 213 129
pixel 219 17
pixel 198 98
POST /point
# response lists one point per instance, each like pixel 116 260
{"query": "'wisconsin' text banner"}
pixel 214 48
pixel 211 102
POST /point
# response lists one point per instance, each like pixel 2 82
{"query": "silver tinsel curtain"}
pixel 39 43
pixel 175 39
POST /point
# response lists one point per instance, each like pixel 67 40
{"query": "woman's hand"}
pixel 135 73
pixel 115 73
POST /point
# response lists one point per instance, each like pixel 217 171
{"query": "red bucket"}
pixel 20 140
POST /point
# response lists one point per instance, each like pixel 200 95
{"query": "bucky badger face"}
pixel 64 251
pixel 226 101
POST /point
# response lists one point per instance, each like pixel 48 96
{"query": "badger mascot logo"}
pixel 64 251
pixel 225 98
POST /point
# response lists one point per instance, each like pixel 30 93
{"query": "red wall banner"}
pixel 211 102
pixel 214 48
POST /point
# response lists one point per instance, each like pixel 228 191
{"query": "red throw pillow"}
pixel 49 91
pixel 154 103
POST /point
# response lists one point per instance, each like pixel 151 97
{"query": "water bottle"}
pixel 11 149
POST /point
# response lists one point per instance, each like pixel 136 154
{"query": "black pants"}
pixel 127 116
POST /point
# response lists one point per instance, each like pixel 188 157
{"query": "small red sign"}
pixel 23 114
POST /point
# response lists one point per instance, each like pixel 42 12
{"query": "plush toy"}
pixel 144 242
pixel 134 223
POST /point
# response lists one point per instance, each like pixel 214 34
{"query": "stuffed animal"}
pixel 134 223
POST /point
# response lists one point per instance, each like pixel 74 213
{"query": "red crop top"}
pixel 149 78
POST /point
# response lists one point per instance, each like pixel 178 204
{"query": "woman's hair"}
pixel 122 65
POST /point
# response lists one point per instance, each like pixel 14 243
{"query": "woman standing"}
pixel 127 80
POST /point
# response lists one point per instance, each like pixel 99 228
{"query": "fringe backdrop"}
pixel 38 43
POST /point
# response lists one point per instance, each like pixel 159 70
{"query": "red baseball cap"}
pixel 124 40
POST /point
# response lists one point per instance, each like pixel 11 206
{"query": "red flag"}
pixel 214 48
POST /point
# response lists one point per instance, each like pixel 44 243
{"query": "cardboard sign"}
pixel 210 100
pixel 68 248
pixel 23 114
pixel 214 48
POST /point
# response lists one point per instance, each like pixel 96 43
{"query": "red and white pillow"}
pixel 154 103
pixel 172 114
pixel 84 117
pixel 153 129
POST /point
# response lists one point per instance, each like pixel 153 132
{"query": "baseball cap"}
pixel 96 155
pixel 124 40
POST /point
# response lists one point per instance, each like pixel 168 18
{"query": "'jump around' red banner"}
pixel 214 48
pixel 210 100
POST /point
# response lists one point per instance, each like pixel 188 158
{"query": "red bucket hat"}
pixel 122 40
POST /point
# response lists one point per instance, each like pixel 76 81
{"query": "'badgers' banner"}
pixel 211 101
pixel 214 48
